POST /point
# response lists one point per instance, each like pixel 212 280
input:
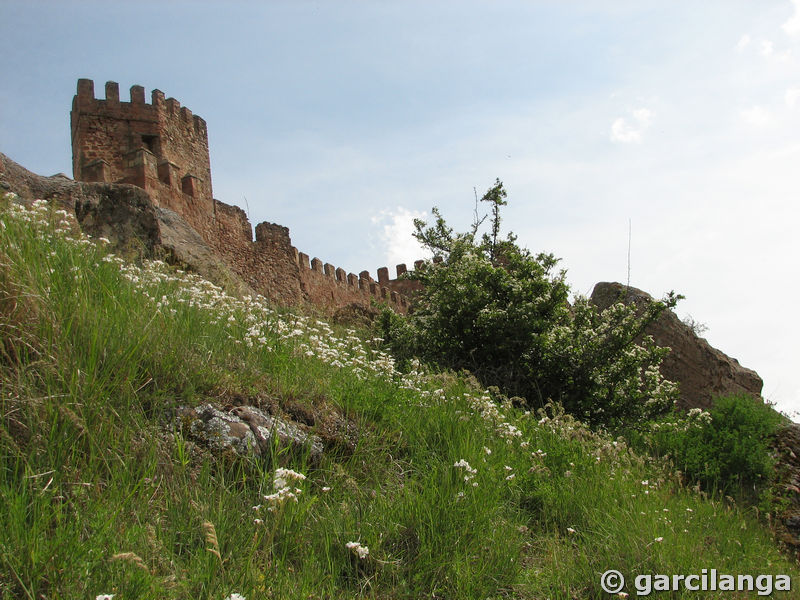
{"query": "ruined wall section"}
pixel 401 286
pixel 266 264
pixel 273 266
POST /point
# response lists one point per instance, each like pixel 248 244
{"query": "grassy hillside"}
pixel 435 490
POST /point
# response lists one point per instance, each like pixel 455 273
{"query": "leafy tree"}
pixel 501 312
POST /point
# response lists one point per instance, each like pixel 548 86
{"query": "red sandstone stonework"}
pixel 163 148
pixel 160 147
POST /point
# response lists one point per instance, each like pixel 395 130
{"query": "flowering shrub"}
pixel 497 310
pixel 601 367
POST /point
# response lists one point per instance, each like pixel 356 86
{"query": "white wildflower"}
pixel 282 476
pixel 361 551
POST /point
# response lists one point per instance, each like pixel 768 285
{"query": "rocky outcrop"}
pixel 786 446
pixel 123 214
pixel 127 216
pixel 245 431
pixel 702 371
pixel 29 186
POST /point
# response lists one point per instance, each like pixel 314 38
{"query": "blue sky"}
pixel 345 119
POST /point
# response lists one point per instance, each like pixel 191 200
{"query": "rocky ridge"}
pixel 702 372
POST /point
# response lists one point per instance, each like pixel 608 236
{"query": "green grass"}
pixel 100 495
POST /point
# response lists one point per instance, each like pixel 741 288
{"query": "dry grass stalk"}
pixel 73 418
pixel 132 558
pixel 211 539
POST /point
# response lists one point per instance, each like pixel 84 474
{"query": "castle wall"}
pixel 163 148
pixel 278 271
pixel 329 287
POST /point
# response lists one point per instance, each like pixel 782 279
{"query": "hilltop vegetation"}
pixel 443 490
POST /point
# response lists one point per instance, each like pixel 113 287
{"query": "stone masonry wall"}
pixel 329 287
pixel 278 271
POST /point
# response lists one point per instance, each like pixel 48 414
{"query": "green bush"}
pixel 499 311
pixel 724 450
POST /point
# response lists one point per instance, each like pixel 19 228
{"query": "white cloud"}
pixel 399 246
pixel 744 42
pixel 792 26
pixel 764 47
pixel 768 51
pixel 631 131
pixel 792 96
pixel 757 116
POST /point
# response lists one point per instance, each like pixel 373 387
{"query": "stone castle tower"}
pixel 160 147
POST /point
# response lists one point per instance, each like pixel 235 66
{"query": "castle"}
pixel 163 148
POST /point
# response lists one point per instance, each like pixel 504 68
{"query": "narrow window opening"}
pixel 151 142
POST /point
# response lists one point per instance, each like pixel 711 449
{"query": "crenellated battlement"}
pixel 325 275
pixel 162 147
pixel 159 108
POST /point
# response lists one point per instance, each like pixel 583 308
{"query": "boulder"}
pixel 245 431
pixel 702 371
pixel 123 214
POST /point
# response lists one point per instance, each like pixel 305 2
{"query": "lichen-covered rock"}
pixel 702 372
pixel 244 430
